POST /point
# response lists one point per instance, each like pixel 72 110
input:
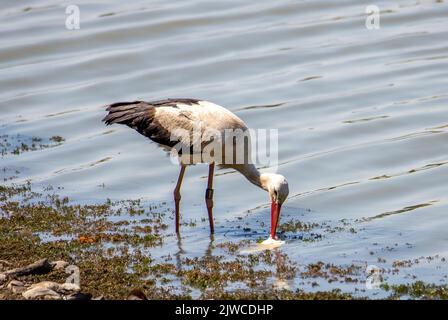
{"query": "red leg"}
pixel 177 196
pixel 209 197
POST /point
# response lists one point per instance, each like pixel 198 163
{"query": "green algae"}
pixel 18 144
pixel 114 256
pixel 417 290
pixel 111 243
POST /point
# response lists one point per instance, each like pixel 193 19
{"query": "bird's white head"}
pixel 278 189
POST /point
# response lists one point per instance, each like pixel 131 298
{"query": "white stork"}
pixel 160 120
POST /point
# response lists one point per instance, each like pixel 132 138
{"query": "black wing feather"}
pixel 140 116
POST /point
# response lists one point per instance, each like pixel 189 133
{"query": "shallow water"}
pixel 362 114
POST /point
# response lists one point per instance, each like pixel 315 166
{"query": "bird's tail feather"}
pixel 131 114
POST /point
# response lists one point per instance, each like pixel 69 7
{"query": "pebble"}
pixel 137 294
pixel 50 290
pixel 78 296
pixel 60 265
pixel 41 293
pixel 16 286
pixel 60 288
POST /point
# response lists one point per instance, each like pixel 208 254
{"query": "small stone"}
pixel 61 288
pixel 79 296
pixel 41 293
pixel 99 298
pixel 16 286
pixel 46 285
pixel 41 266
pixel 137 294
pixel 69 287
pixel 15 283
pixel 59 265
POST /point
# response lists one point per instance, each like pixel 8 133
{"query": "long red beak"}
pixel 275 215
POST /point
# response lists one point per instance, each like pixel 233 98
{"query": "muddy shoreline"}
pixel 113 254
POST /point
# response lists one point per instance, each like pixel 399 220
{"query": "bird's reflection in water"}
pixel 210 247
pixel 280 282
pixel 181 251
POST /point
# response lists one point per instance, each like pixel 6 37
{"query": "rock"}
pixel 79 296
pixel 46 285
pixel 39 267
pixel 59 265
pixel 41 293
pixel 137 294
pixel 15 283
pixel 60 288
pixel 50 290
pixel 99 298
pixel 16 286
pixel 69 287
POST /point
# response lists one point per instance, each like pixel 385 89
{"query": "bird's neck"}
pixel 252 174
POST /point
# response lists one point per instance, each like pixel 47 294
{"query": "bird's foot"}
pixel 270 241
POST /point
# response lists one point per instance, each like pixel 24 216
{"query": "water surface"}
pixel 362 115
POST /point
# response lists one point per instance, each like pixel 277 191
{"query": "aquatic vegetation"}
pixel 113 255
pixel 418 290
pixel 112 244
pixel 332 273
pixel 295 226
pixel 17 144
